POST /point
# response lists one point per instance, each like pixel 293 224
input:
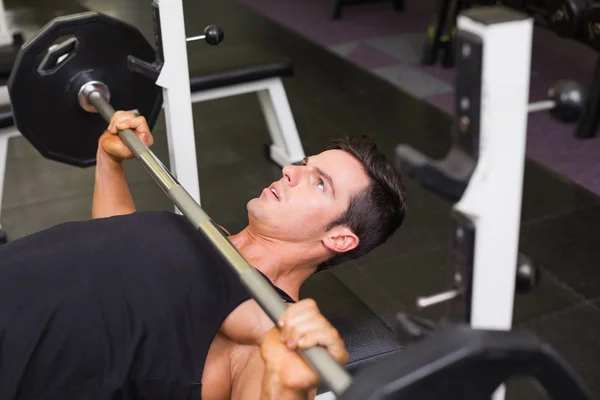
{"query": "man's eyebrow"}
pixel 324 175
pixel 303 162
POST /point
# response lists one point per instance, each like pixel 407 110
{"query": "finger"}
pixel 293 317
pixel 124 119
pixel 297 308
pixel 328 338
pixel 120 117
pixel 140 127
pixel 111 125
pixel 121 113
pixel 143 130
pixel 308 325
pixel 137 123
pixel 116 115
pixel 148 139
pixel 296 320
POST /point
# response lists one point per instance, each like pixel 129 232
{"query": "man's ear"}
pixel 340 239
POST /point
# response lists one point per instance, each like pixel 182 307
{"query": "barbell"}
pixel 66 54
pixel 75 69
pixel 63 87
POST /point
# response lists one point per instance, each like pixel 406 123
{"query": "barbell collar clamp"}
pixel 86 90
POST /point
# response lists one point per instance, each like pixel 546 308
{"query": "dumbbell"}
pixel 565 101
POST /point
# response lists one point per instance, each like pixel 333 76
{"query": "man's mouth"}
pixel 271 189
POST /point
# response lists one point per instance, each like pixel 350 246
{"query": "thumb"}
pixel 271 348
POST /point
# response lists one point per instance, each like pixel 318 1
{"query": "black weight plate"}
pixel 45 102
pixel 566 16
pixel 592 26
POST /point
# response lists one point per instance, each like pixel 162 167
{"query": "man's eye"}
pixel 321 185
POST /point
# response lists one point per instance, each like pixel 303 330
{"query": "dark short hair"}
pixel 377 211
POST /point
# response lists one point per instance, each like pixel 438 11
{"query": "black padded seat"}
pixel 6 116
pixel 366 336
pixel 225 66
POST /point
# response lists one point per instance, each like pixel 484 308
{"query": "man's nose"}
pixel 293 174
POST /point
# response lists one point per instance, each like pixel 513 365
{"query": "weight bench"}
pixel 233 71
pixel 366 335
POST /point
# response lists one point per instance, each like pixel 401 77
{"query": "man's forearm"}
pixel 111 190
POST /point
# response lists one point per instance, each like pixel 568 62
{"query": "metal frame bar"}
pixel 286 147
pixel 174 79
pixel 5 135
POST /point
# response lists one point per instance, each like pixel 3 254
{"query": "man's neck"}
pixel 286 265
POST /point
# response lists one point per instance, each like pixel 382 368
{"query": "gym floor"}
pixel 331 97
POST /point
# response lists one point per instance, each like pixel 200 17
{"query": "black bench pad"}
pixel 224 66
pixel 366 336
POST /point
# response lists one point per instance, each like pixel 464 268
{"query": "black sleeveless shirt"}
pixel 117 308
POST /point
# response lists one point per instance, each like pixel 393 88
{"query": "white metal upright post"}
pixel 5 135
pixel 6 37
pixel 174 79
pixel 492 199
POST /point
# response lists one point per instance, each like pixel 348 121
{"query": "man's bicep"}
pixel 248 385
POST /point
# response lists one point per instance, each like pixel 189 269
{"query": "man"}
pixel 336 206
pixel 135 305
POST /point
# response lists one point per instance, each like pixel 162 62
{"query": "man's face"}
pixel 300 206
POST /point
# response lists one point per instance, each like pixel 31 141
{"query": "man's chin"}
pixel 252 203
pixel 254 207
